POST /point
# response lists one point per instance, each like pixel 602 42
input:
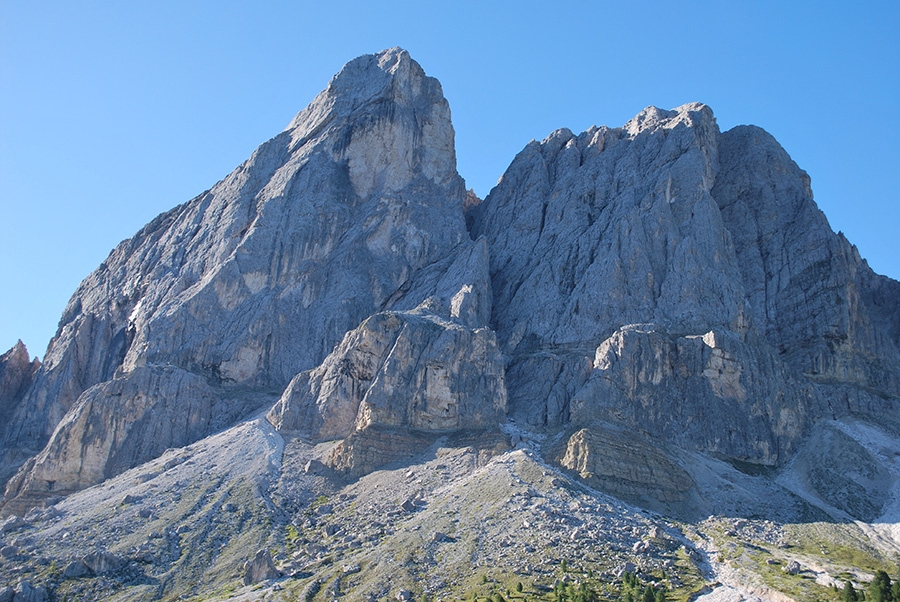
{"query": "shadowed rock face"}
pixel 808 291
pixel 641 289
pixel 16 374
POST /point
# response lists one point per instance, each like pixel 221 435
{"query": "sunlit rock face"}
pixel 257 279
pixel 633 295
pixel 682 282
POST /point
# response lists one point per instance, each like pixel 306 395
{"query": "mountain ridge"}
pixel 630 305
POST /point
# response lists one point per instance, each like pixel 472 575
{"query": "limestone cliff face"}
pixel 627 466
pixel 681 282
pixel 119 424
pixel 258 278
pixel 17 372
pixel 406 376
pixel 611 227
pixel 628 291
pixel 809 292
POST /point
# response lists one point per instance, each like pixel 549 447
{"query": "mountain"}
pixel 645 352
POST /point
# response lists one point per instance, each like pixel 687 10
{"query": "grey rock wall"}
pixel 119 424
pixel 809 292
pixel 656 286
pixel 258 278
pixel 681 283
pixel 17 371
pixel 399 370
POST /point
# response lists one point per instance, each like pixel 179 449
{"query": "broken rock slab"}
pixel 260 568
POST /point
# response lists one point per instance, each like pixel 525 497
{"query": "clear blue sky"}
pixel 112 112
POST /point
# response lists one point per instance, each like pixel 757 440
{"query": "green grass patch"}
pixel 838 544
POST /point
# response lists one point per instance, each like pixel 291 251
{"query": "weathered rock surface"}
pixel 839 471
pixel 636 296
pixel 29 593
pixel 119 424
pixel 399 369
pixel 611 227
pixel 625 465
pixel 260 568
pixel 75 569
pixel 102 562
pixel 258 278
pixel 713 392
pixel 17 372
pixel 393 384
pixel 681 283
pixel 808 291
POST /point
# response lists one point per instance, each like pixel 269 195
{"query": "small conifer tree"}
pixel 880 588
pixel 849 594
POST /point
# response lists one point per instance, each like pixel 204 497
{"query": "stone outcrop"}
pixel 103 562
pixel 636 290
pixel 625 465
pixel 680 282
pixel 397 378
pixel 808 291
pixel 611 227
pixel 17 371
pixel 840 472
pixel 119 424
pixel 713 392
pixel 260 568
pixel 25 592
pixel 399 370
pixel 258 278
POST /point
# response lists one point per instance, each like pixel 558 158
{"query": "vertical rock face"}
pixel 404 377
pixel 681 282
pixel 17 372
pixel 258 278
pixel 657 286
pixel 122 423
pixel 399 370
pixel 611 227
pixel 809 292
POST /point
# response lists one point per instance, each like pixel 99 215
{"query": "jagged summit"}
pixel 257 279
pixel 400 119
pixel 647 310
pixel 16 373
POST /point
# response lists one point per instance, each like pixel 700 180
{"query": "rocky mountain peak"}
pixel 355 209
pixel 387 119
pixel 16 373
pixel 692 114
pixel 657 310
